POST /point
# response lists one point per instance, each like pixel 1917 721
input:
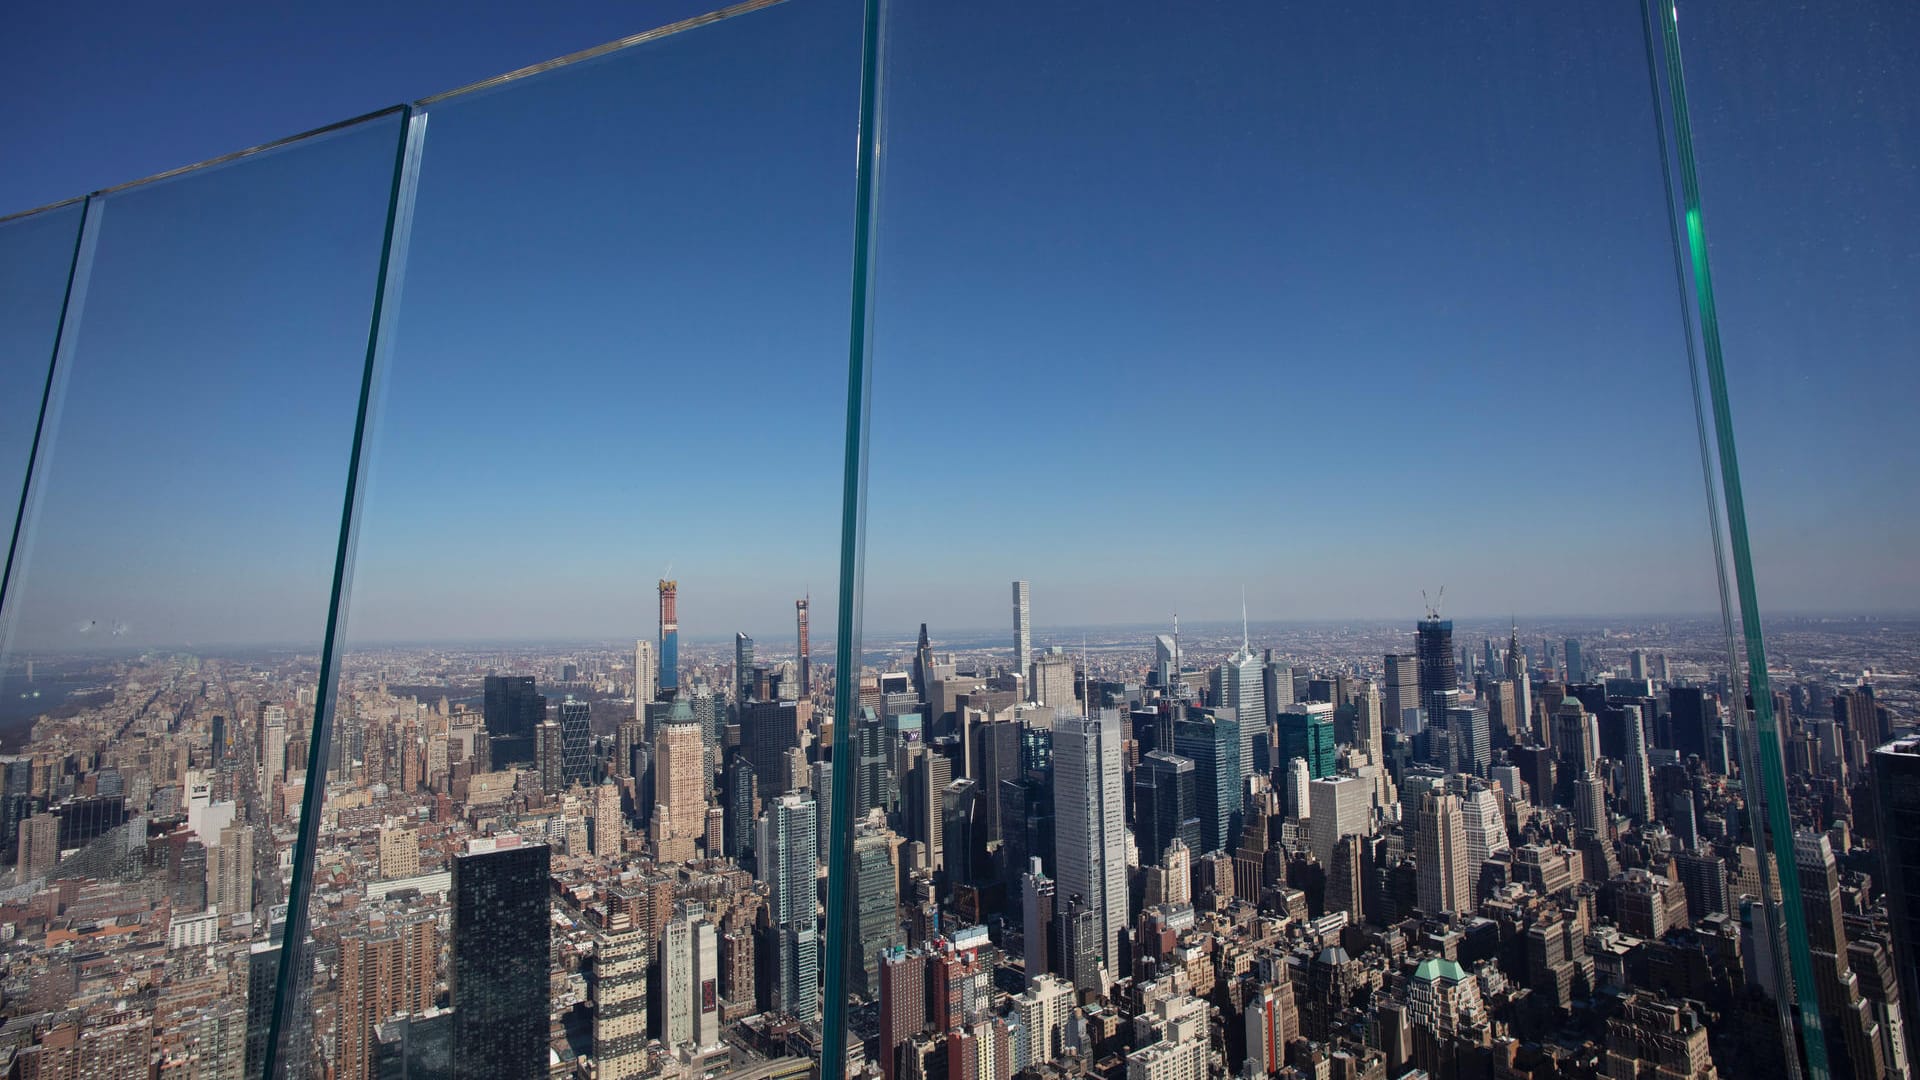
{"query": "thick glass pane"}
pixel 571 813
pixel 1292 619
pixel 1806 124
pixel 168 603
pixel 36 258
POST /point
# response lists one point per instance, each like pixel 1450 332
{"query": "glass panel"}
pixel 1316 376
pixel 1807 198
pixel 169 600
pixel 609 442
pixel 36 259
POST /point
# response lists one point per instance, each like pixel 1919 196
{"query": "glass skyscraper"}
pixel 500 944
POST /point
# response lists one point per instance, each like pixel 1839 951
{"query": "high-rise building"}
pixel 1164 805
pixel 1212 743
pixel 876 906
pixel 1272 1023
pixel 1402 691
pixel 739 805
pixel 1694 719
pixel 769 730
pixel 646 678
pixel 1022 630
pixel 1368 707
pixel 1896 786
pixel 1485 822
pixel 512 709
pixel 1239 684
pixel 1037 892
pixel 1441 855
pixel 1576 664
pixel 1439 670
pixel 680 785
pixel 1639 773
pixel 1306 732
pixel 550 757
pixel 500 947
pixel 743 673
pixel 669 682
pixel 1044 1010
pixel 903 1008
pixel 39 846
pixel 806 647
pixel 788 861
pixel 1053 680
pixel 1339 806
pixel 620 1000
pixel 576 743
pixel 1654 1037
pixel 385 970
pixel 1089 833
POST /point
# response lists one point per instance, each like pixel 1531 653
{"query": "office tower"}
pixel 1484 821
pixel 769 730
pixel 669 681
pixel 1239 684
pixel 1036 922
pixel 39 846
pixel 1694 719
pixel 1469 739
pixel 1368 706
pixel 1576 738
pixel 1297 775
pixel 1077 938
pixel 788 861
pixel 876 906
pixel 1306 732
pixel 1896 786
pixel 1089 833
pixel 512 710
pixel 399 850
pixel 1654 1037
pixel 1338 806
pixel 1212 743
pixel 960 841
pixel 903 1007
pixel 743 672
pixel 1576 665
pixel 1439 673
pixel 1022 630
pixel 576 743
pixel 550 757
pixel 620 1000
pixel 680 788
pixel 739 804
pixel 1053 680
pixel 1402 691
pixel 646 678
pixel 1272 1024
pixel 500 947
pixel 923 795
pixel 1441 855
pixel 1852 1031
pixel 609 821
pixel 1164 805
pixel 1639 774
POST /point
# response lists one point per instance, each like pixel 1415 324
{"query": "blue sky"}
pixel 1330 304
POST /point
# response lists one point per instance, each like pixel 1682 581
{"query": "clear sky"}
pixel 1333 304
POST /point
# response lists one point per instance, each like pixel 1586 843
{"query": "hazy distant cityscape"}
pixel 1443 848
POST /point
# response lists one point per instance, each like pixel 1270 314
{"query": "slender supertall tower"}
pixel 806 650
pixel 1022 629
pixel 669 636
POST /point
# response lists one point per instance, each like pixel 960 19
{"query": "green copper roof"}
pixel 1438 968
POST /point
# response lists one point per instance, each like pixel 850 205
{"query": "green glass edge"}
pixel 853 518
pixel 1770 915
pixel 86 234
pixel 406 159
pixel 1767 741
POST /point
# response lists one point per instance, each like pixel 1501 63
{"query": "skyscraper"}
pixel 1402 690
pixel 620 1002
pixel 511 709
pixel 1089 833
pixel 1338 806
pixel 1896 785
pixel 787 849
pixel 1053 679
pixel 1439 671
pixel 743 675
pixel 669 636
pixel 576 743
pixel 1306 731
pixel 646 678
pixel 1441 855
pixel 1239 684
pixel 1212 743
pixel 806 648
pixel 1164 806
pixel 1037 892
pixel 1022 629
pixel 1639 775
pixel 500 945
pixel 903 1006
pixel 680 785
pixel 1576 664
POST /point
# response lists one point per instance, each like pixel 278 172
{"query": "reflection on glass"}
pixel 1360 700
pixel 168 600
pixel 573 813
pixel 37 255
